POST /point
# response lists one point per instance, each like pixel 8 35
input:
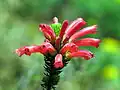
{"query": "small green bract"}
pixel 56 27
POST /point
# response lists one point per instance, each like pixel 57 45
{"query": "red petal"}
pixel 81 53
pixel 88 42
pixel 83 32
pixel 63 28
pixel 58 61
pixel 48 32
pixel 69 47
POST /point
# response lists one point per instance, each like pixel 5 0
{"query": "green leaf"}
pixel 56 27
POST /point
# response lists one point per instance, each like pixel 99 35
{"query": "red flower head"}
pixel 62 41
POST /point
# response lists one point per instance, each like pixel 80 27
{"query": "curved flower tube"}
pixel 47 31
pixel 83 32
pixel 57 43
pixel 27 50
pixel 63 29
pixel 81 53
pixel 88 42
pixel 72 28
pixel 45 48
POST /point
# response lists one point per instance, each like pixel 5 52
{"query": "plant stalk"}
pixel 51 74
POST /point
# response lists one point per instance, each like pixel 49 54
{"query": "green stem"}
pixel 51 75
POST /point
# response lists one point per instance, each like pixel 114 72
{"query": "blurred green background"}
pixel 19 21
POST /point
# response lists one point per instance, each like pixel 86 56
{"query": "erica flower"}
pixel 45 48
pixel 81 53
pixel 60 45
pixel 87 42
pixel 62 41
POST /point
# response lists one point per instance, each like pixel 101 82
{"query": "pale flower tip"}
pixel 55 20
pixel 39 29
pixel 84 22
pixel 95 26
pixel 41 26
pixel 81 19
pixel 18 52
pixel 94 31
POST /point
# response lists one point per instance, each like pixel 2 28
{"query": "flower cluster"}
pixel 62 41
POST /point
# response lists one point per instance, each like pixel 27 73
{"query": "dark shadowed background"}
pixel 19 21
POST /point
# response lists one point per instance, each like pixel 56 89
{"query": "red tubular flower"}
pixel 81 53
pixel 83 32
pixel 88 42
pixel 63 28
pixel 73 27
pixel 62 32
pixel 47 31
pixel 69 47
pixel 27 50
pixel 47 48
pixel 58 63
pixel 20 51
pixel 44 49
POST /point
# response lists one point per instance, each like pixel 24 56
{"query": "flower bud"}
pixel 58 61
